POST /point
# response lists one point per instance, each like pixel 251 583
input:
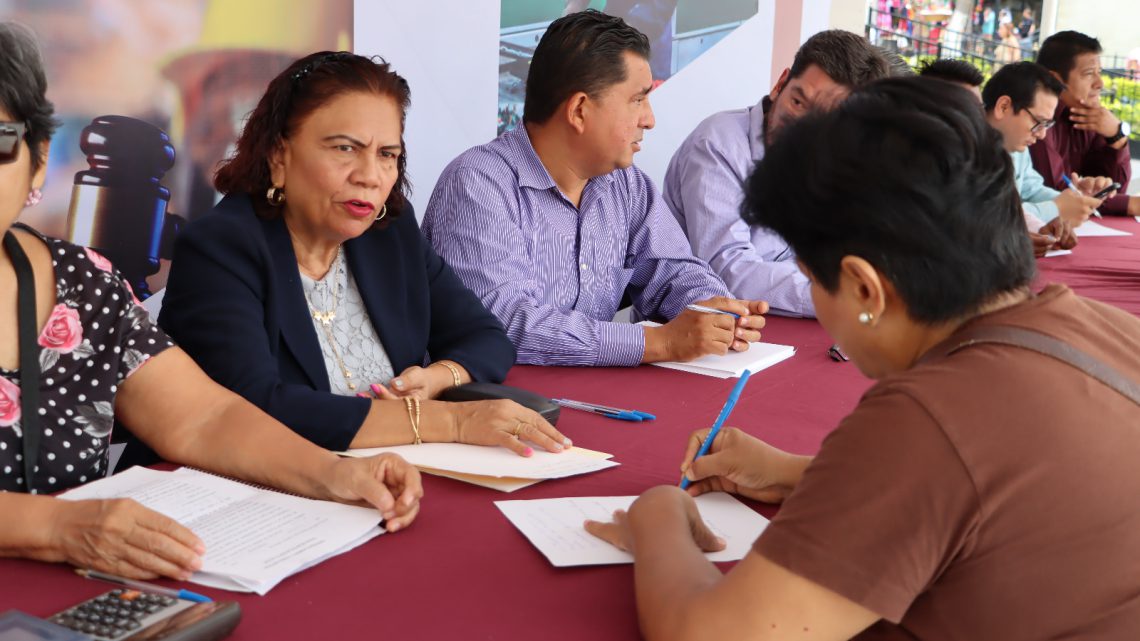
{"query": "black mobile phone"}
pixel 1107 190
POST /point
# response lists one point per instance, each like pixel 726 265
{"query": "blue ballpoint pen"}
pixel 621 415
pixel 724 412
pixel 566 402
pixel 1074 188
pixel 710 310
pixel 185 595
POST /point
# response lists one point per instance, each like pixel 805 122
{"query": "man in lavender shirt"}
pixel 705 179
pixel 550 223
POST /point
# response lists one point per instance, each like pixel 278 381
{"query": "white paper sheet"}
pixel 254 538
pixel 759 356
pixel 1057 252
pixel 492 461
pixel 554 526
pixel 1091 228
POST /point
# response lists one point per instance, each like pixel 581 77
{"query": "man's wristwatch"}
pixel 1123 130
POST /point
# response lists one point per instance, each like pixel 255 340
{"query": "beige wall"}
pixel 1116 23
pixel 849 14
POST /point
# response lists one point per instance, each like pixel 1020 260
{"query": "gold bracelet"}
pixel 454 372
pixel 414 418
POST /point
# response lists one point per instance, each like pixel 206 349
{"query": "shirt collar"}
pixel 756 115
pixel 532 173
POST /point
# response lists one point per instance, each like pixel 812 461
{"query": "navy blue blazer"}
pixel 234 302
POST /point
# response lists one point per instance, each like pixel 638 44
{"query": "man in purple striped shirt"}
pixel 705 179
pixel 550 223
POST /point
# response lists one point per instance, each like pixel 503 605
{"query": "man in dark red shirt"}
pixel 1087 139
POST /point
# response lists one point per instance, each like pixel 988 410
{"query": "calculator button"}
pixel 131 625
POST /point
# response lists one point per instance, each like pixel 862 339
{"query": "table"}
pixel 463 572
pixel 1103 268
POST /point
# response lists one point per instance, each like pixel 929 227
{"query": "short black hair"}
pixel 907 175
pixel 845 57
pixel 1020 81
pixel 582 51
pixel 951 70
pixel 1059 51
pixel 23 87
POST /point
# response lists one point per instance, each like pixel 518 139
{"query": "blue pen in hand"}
pixel 1074 188
pixel 724 412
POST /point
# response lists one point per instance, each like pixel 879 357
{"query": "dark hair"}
pixel 298 91
pixel 845 57
pixel 907 175
pixel 23 88
pixel 582 51
pixel 949 70
pixel 897 66
pixel 1059 51
pixel 1020 81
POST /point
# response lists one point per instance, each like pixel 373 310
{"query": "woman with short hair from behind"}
pixel 985 487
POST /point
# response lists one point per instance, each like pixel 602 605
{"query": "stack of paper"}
pixel 554 526
pixel 254 537
pixel 494 467
pixel 759 356
pixel 1091 228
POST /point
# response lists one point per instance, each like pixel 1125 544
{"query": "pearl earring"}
pixel 866 318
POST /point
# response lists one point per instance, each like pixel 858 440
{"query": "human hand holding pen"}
pixel 741 464
pixel 693 334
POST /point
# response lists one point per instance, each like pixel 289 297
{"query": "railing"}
pixel 917 41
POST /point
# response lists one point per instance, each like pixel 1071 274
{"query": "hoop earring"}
pixel 383 213
pixel 275 196
pixel 866 318
pixel 34 198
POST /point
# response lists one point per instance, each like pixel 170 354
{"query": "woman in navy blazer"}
pixel 322 146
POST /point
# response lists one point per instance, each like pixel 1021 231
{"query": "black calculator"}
pixel 141 616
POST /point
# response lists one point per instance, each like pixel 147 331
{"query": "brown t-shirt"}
pixel 990 494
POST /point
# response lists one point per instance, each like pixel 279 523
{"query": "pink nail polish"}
pixel 376 389
pixel 528 452
pixel 361 395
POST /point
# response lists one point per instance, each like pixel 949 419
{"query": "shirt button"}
pixel 585 267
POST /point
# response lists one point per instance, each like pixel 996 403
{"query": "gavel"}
pixel 118 205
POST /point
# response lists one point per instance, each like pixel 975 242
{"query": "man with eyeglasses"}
pixel 1088 138
pixel 1020 100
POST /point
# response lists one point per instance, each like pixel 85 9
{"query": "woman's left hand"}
pixel 424 383
pixel 658 505
pixel 387 482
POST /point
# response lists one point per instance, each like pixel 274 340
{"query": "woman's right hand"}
pixel 505 423
pixel 121 537
pixel 741 464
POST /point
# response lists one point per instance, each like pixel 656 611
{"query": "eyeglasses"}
pixel 10 135
pixel 1040 124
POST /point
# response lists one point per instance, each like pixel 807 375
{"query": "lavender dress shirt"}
pixel 704 187
pixel 553 273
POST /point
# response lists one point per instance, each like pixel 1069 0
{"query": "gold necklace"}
pixel 326 317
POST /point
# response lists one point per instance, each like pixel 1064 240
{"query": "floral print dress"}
pixel 96 336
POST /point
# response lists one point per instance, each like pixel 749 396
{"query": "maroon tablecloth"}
pixel 463 572
pixel 1103 268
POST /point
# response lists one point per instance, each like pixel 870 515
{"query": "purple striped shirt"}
pixel 704 189
pixel 553 273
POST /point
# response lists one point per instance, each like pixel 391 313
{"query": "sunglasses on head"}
pixel 11 133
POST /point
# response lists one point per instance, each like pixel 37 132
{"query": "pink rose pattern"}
pixel 94 338
pixel 99 260
pixel 62 332
pixel 9 403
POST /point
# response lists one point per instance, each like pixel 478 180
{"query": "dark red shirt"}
pixel 1065 149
